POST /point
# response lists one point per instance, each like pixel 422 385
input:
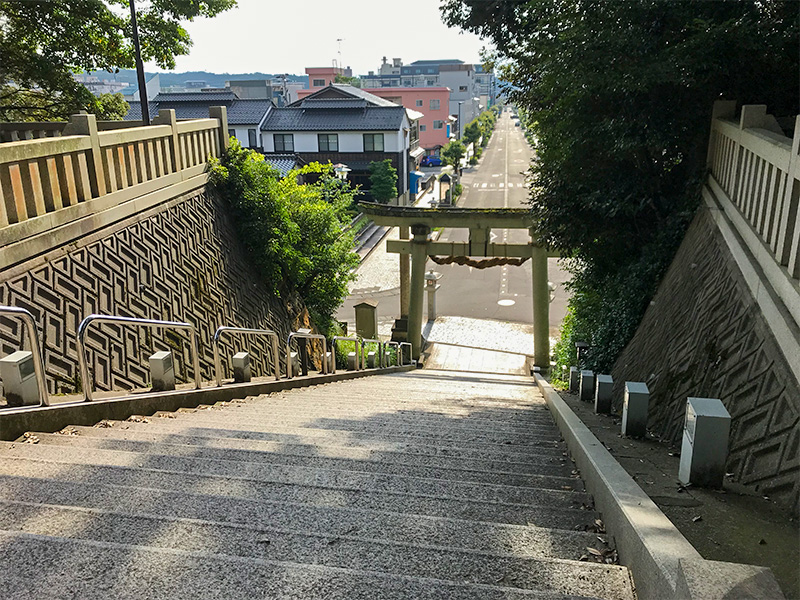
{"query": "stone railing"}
pixel 51 181
pixel 23 130
pixel 756 167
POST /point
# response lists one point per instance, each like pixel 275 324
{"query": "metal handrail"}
pixel 308 336
pixel 364 342
pixel 402 356
pixel 38 366
pixel 396 354
pixel 152 323
pixel 276 369
pixel 343 338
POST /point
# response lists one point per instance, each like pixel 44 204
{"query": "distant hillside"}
pixel 178 79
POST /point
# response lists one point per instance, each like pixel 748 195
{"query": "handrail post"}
pixel 221 113
pixel 343 338
pixel 247 331
pixel 305 336
pixel 166 116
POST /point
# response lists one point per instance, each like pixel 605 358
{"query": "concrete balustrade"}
pixel 45 176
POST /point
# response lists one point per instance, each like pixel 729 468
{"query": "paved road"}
pixel 502 293
pixel 498 181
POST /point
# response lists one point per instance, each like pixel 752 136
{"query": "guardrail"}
pixel 46 175
pixel 276 365
pixel 86 376
pixel 402 356
pixel 396 352
pixel 38 366
pixel 364 342
pixel 307 336
pixel 342 338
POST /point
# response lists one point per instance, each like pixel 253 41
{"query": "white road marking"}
pixel 483 185
pixel 501 185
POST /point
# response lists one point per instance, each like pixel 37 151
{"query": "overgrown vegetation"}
pixel 294 232
pixel 43 43
pixel 618 99
pixel 383 179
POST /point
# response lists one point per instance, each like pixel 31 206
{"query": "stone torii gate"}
pixel 480 222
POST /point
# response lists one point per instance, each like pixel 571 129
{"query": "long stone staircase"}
pixel 427 484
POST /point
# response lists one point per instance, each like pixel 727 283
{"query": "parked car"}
pixel 430 161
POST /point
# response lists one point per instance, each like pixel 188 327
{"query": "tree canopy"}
pixel 453 152
pixel 618 96
pixel 42 44
pixel 294 232
pixel 383 179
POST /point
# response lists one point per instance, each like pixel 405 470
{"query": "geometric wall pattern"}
pixel 182 264
pixel 704 336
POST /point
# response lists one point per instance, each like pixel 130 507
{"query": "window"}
pixel 462 88
pixel 434 105
pixel 251 138
pixel 231 133
pixel 328 142
pixel 373 142
pixel 430 83
pixel 419 102
pixel 422 127
pixel 284 142
pixel 438 124
pixel 318 83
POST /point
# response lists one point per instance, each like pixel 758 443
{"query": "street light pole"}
pixel 459 115
pixel 139 68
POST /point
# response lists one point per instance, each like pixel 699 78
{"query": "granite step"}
pixel 265 430
pixel 292 474
pixel 549 463
pixel 538 535
pixel 432 500
pixel 349 551
pixel 98 570
pixel 540 476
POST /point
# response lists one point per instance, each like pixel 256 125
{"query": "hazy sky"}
pixel 285 36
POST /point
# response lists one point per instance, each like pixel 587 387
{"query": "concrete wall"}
pixel 704 335
pixel 180 260
pixel 408 97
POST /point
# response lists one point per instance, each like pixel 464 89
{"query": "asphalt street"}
pixel 504 292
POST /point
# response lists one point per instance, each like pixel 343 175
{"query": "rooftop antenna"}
pixel 339 41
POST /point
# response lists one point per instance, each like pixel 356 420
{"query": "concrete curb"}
pixel 47 419
pixel 663 563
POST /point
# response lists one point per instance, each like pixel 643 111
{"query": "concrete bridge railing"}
pixel 45 181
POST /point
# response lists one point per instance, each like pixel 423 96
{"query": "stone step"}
pixel 546 463
pixel 431 500
pixel 349 551
pixel 265 430
pixel 498 452
pixel 354 418
pixel 544 533
pixel 98 570
pixel 279 479
pixel 542 476
pixel 378 425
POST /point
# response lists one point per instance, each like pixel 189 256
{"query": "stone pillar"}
pixel 405 275
pixel 431 278
pixel 419 256
pixel 541 308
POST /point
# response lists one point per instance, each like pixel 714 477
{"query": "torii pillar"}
pixel 541 304
pixel 419 258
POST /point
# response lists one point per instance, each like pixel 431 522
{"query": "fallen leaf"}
pixel 696 519
pixel 593 551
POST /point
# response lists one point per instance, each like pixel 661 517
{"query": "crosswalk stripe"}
pixel 501 185
pixel 483 185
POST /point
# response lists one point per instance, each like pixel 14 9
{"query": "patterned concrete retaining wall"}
pixel 180 261
pixel 704 336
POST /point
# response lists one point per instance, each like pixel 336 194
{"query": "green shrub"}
pixel 293 232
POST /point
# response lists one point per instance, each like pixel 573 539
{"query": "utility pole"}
pixel 139 68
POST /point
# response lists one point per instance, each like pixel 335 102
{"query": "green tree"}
pixel 43 43
pixel 383 179
pixel 354 81
pixel 293 232
pixel 472 132
pixel 453 152
pixel 619 98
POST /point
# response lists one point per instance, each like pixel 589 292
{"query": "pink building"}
pixel 436 124
pixel 320 77
pixel 433 102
